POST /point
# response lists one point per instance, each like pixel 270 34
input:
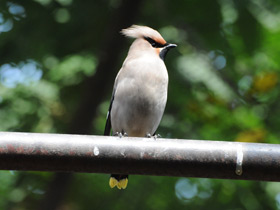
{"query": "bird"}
pixel 140 90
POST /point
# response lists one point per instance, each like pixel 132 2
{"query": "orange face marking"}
pixel 160 40
pixel 157 50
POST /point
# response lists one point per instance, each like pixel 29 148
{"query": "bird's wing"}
pixel 108 125
pixel 107 129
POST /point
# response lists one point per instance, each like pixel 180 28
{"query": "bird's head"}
pixel 148 40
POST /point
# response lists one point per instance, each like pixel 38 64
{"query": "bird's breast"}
pixel 140 97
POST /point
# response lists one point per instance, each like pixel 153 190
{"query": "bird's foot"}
pixel 148 135
pixel 121 134
pixel 156 136
pixel 125 134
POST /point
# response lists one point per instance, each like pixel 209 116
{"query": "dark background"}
pixel 58 61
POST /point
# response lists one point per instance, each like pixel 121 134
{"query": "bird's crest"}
pixel 136 31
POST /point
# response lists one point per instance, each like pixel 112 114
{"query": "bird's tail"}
pixel 118 180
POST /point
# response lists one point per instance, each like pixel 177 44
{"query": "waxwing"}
pixel 140 90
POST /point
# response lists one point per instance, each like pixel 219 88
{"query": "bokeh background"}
pixel 58 61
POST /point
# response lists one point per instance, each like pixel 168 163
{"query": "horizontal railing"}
pixel 146 156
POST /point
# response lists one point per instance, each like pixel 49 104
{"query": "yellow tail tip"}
pixel 121 184
pixel 113 182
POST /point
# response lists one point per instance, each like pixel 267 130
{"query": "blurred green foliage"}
pixel 224 85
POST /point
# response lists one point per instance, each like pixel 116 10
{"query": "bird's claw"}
pixel 121 134
pixel 148 135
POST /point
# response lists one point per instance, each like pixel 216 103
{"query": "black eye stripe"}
pixel 154 43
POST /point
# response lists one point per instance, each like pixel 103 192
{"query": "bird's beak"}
pixel 169 46
pixel 165 49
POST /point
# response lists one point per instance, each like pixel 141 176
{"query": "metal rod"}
pixel 147 156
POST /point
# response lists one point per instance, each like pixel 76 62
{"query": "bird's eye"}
pixel 153 42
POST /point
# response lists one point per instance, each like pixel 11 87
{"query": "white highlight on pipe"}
pixel 239 160
pixel 96 151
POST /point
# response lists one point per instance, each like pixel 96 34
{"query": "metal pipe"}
pixel 147 156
